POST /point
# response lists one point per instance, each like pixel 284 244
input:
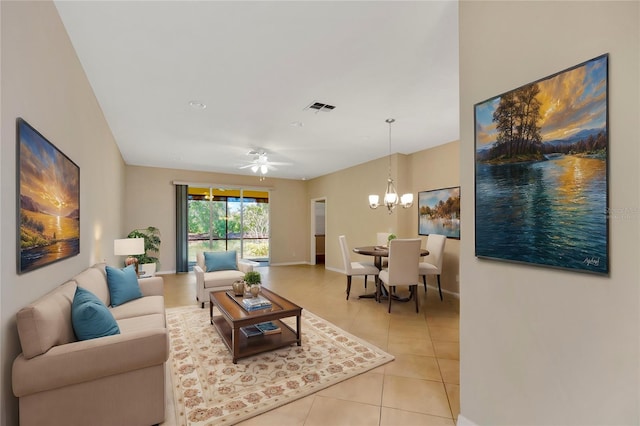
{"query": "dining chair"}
pixel 403 267
pixel 432 263
pixel 382 239
pixel 355 268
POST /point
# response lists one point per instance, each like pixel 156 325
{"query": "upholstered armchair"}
pixel 222 270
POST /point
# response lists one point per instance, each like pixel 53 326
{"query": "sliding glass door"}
pixel 228 219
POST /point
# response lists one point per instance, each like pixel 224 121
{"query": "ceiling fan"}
pixel 260 163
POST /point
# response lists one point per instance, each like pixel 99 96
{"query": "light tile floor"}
pixel 420 387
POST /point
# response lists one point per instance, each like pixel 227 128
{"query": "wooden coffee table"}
pixel 234 316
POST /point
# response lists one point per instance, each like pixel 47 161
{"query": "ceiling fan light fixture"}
pixel 254 168
pixel 264 169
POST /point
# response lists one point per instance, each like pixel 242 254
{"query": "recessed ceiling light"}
pixel 296 124
pixel 197 105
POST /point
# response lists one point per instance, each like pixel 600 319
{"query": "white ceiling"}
pixel 256 66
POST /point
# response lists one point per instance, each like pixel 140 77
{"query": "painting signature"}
pixel 592 261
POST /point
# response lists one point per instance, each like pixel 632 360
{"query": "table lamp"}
pixel 129 247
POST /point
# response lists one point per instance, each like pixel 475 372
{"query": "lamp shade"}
pixel 406 200
pixel 128 246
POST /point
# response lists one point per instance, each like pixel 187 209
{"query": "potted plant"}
pixel 391 237
pixel 151 236
pixel 253 280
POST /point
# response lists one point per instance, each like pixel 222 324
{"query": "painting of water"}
pixel 439 212
pixel 541 172
pixel 48 201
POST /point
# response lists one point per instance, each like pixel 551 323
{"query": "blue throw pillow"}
pixel 221 261
pixel 90 317
pixel 123 285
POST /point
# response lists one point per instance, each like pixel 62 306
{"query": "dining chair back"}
pixel 382 239
pixel 403 267
pixel 355 268
pixel 432 263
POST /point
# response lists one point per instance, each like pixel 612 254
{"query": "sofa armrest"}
pixel 153 286
pixel 245 265
pixel 199 273
pixel 88 360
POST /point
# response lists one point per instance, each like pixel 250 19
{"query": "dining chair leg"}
pixel 377 281
pixel 414 291
pixel 424 281
pixel 365 282
pixel 439 288
pixel 348 285
pixel 391 291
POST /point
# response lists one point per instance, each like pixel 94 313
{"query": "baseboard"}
pixel 450 293
pixel 289 263
pixel 463 421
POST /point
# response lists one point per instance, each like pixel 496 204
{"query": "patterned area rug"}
pixel 210 390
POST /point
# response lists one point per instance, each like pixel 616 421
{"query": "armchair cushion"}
pixel 221 261
pixel 90 317
pixel 123 285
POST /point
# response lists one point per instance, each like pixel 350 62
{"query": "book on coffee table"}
pixel 255 303
pixel 268 327
pixel 251 331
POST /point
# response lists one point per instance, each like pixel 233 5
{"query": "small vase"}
pixel 255 289
pixel 238 288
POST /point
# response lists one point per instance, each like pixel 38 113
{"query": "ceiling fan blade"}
pixel 277 163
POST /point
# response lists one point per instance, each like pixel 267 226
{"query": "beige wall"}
pixel 42 81
pixel 150 201
pixel 348 211
pixel 438 168
pixel 539 345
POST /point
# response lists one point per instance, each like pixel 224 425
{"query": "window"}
pixel 228 219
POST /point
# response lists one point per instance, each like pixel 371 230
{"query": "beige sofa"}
pixel 207 282
pixel 113 380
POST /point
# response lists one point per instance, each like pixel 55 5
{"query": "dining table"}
pixel 378 252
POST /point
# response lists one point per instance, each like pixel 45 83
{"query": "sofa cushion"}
pixel 90 317
pixel 142 323
pixel 94 279
pixel 221 278
pixel 123 285
pixel 147 305
pixel 47 321
pixel 221 261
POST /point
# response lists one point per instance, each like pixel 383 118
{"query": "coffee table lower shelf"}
pixel 248 346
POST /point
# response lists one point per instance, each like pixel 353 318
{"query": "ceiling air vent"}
pixel 319 106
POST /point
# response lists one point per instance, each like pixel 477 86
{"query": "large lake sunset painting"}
pixel 541 159
pixel 48 201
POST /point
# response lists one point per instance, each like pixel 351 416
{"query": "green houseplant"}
pixel 252 281
pixel 151 236
pixel 252 278
pixel 391 237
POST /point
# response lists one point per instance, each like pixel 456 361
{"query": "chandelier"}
pixel 391 199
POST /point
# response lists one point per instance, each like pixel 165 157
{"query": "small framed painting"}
pixel 48 201
pixel 439 212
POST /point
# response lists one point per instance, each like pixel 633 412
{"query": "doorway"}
pixel 318 230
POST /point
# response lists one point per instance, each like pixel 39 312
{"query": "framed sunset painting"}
pixel 48 201
pixel 541 171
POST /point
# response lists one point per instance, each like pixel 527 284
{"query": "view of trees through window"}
pixel 221 220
